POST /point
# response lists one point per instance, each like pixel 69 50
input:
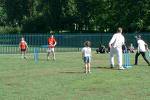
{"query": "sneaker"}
pixel 85 72
pixel 111 66
pixel 121 68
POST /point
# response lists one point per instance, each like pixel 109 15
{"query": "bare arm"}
pixel 91 52
pixel 26 44
pixel 55 43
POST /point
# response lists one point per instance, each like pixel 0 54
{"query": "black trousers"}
pixel 143 55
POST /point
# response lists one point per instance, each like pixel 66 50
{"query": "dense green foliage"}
pixel 76 15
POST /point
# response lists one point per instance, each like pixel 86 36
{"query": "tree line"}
pixel 75 15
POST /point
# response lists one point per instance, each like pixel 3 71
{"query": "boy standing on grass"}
pixel 86 55
pixel 142 48
pixel 51 45
pixel 23 47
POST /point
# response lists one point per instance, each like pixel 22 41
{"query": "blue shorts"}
pixel 87 59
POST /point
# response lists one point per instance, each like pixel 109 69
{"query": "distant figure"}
pixel 142 48
pixel 51 45
pixel 23 47
pixel 86 56
pixel 101 49
pixel 131 48
pixel 115 44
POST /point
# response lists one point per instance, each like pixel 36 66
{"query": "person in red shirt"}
pixel 23 47
pixel 51 45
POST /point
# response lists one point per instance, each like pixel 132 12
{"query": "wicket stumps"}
pixel 148 54
pixel 126 59
pixel 36 55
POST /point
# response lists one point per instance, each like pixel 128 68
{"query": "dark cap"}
pixel 138 37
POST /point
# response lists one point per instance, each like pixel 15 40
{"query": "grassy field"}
pixel 64 79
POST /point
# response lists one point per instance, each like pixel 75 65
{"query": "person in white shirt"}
pixel 142 48
pixel 86 56
pixel 115 45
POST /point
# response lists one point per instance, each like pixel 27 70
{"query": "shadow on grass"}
pixel 115 68
pixel 72 72
pixel 102 67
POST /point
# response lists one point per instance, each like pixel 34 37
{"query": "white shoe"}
pixel 121 68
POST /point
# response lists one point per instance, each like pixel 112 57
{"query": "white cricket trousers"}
pixel 117 51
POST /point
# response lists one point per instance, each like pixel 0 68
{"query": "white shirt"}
pixel 86 51
pixel 141 45
pixel 117 40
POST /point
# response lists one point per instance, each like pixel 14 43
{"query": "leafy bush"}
pixel 9 30
pixel 37 24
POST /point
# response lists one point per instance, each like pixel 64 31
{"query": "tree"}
pixel 76 15
pixel 18 9
pixel 3 16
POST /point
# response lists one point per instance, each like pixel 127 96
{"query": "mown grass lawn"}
pixel 64 79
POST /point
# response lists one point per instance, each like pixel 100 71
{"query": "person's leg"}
pixel 89 67
pixel 119 56
pixel 86 68
pixel 136 58
pixel 48 53
pixel 143 54
pixel 112 57
pixel 86 64
pixel 24 54
pixel 53 54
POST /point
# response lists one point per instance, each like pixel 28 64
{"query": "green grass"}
pixel 64 79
